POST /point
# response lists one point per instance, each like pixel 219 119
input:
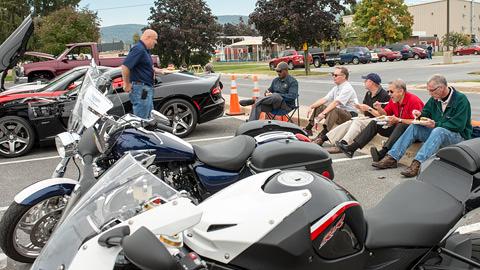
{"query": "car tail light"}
pixel 327 174
pixel 216 91
pixel 302 137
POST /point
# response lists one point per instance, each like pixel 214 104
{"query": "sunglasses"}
pixel 390 92
pixel 336 75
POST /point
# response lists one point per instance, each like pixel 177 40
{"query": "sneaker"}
pixel 246 102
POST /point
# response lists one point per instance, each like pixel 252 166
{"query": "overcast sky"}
pixel 113 12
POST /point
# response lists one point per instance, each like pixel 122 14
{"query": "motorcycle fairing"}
pixel 168 219
pixel 250 213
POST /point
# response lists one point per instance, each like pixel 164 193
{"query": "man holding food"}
pixel 346 132
pixel 446 120
pixel 390 122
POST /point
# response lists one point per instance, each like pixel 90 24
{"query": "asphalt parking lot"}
pixel 356 175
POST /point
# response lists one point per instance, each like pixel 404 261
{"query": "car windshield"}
pixel 61 82
pixel 120 194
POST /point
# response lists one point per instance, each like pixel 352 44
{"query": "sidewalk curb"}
pixel 376 142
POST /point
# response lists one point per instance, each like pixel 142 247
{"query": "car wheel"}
pixel 476 52
pixel 416 56
pixel 330 64
pixel 341 63
pixel 272 66
pixel 291 66
pixel 355 61
pixel 16 136
pixel 182 115
pixel 457 53
pixel 383 59
pixel 40 76
pixel 317 63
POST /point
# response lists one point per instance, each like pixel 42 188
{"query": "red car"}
pixel 292 58
pixel 385 54
pixel 473 49
pixel 419 53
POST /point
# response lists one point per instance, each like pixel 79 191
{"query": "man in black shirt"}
pixel 347 131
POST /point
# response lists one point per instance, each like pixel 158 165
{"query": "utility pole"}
pixel 448 25
pixel 471 20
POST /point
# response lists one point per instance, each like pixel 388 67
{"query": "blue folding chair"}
pixel 286 113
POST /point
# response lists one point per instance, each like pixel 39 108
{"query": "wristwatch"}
pixel 370 109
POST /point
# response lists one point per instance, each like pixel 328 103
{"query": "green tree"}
pixel 45 7
pixel 74 26
pixel 287 22
pixel 184 28
pixel 383 21
pixel 456 39
pixel 12 13
pixel 349 35
pixel 136 38
pixel 240 29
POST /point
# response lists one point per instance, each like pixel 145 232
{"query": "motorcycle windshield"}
pixel 91 104
pixel 120 194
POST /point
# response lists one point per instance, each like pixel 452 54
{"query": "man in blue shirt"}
pixel 280 95
pixel 138 74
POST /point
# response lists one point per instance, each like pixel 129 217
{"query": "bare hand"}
pixel 320 117
pixel 363 107
pixel 416 114
pixel 393 120
pixel 377 105
pixel 127 87
pixel 429 124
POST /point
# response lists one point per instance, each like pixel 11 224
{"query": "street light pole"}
pixel 448 25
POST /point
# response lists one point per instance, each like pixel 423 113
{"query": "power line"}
pixel 120 7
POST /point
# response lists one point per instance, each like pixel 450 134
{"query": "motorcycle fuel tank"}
pixel 167 146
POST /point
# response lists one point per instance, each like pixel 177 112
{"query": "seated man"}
pixel 341 108
pixel 347 131
pixel 281 94
pixel 399 109
pixel 447 121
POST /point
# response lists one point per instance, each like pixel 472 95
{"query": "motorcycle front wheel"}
pixel 25 229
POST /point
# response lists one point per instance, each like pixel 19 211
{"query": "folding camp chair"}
pixel 288 114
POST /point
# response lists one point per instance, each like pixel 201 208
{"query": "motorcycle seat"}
pixel 464 155
pixel 230 155
pixel 413 214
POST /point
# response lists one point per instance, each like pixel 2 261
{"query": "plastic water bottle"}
pixel 3 260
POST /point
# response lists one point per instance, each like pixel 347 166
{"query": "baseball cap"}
pixel 373 77
pixel 281 66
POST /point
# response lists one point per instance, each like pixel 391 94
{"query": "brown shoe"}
pixel 413 170
pixel 386 163
pixel 333 150
pixel 318 140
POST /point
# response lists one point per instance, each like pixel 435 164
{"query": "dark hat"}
pixel 281 66
pixel 373 77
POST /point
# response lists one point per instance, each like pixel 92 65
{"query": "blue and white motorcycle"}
pixel 100 140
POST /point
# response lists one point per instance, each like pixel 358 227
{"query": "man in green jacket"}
pixel 447 121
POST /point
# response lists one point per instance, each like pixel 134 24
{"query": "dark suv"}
pixel 405 50
pixel 355 55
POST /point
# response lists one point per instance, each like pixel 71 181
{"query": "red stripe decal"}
pixel 330 218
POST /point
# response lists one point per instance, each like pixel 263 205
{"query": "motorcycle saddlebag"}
pixel 254 128
pixel 292 154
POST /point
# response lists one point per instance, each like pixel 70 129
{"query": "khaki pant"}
pixel 334 117
pixel 348 130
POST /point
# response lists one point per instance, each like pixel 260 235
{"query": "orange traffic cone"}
pixel 234 105
pixel 256 89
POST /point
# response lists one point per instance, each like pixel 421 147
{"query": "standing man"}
pixel 400 114
pixel 281 94
pixel 341 106
pixel 139 74
pixel 429 51
pixel 346 132
pixel 448 116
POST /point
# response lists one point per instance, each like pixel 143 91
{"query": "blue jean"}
pixel 141 107
pixel 433 140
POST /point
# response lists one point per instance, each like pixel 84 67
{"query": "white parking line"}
pixel 348 159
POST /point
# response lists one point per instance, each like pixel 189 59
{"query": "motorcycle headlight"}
pixel 66 143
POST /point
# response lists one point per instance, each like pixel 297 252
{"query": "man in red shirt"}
pixel 400 114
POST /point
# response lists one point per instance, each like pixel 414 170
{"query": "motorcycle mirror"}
pixel 144 250
pixel 159 118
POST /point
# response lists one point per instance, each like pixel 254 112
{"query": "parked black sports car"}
pixel 32 117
